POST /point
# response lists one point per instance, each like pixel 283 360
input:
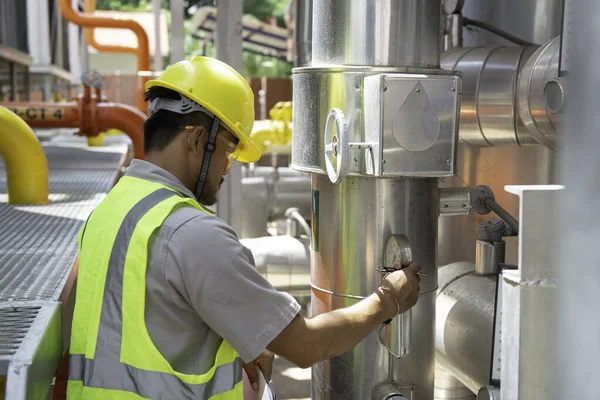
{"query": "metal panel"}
pixel 413 120
pixel 529 326
pixel 33 365
pixel 377 33
pixel 578 346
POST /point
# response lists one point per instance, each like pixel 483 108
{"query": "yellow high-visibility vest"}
pixel 112 354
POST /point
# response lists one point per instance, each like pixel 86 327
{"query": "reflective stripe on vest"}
pixel 105 370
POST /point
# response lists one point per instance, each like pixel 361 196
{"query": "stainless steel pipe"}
pixel 267 199
pixel 464 323
pixel 377 33
pixel 510 94
pixel 488 112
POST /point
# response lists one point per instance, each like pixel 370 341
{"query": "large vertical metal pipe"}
pixel 377 33
pixel 353 218
pixel 352 221
pixel 303 32
pixel 578 273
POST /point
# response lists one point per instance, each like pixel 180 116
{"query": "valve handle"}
pixel 336 145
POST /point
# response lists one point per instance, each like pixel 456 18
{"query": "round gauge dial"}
pixel 397 250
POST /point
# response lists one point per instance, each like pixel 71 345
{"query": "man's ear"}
pixel 196 140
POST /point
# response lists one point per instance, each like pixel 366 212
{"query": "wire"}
pixel 496 31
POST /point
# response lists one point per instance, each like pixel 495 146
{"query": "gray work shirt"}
pixel 202 287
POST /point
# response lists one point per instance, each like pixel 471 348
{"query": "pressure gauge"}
pixel 397 250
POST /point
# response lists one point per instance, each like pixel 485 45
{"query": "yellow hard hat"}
pixel 221 90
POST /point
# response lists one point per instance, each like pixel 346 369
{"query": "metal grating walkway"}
pixel 14 323
pixel 38 244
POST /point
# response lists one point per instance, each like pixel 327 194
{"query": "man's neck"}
pixel 172 165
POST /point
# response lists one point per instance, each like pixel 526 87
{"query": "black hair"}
pixel 162 127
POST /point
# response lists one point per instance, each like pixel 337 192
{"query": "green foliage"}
pixel 253 64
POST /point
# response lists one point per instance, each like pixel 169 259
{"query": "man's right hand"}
pixel 404 286
pixel 306 341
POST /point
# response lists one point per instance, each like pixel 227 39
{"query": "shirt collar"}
pixel 151 172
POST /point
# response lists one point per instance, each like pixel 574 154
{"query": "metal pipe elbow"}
pixel 125 118
pixel 25 160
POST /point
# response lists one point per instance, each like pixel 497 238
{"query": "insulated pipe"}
pixel 511 95
pixel 25 161
pixel 89 21
pixel 465 323
pixel 102 116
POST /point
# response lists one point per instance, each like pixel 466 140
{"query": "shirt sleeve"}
pixel 224 287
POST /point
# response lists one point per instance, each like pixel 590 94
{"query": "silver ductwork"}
pixel 283 260
pixel 267 197
pixel 511 95
pixel 447 387
pixel 465 323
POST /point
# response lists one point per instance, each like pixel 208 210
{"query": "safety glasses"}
pixel 232 150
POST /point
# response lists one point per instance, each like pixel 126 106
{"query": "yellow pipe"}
pixel 275 132
pixel 25 160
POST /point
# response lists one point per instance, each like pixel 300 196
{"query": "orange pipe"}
pixel 90 8
pixel 124 118
pixel 89 21
pixel 84 115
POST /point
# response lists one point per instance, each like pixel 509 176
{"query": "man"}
pixel 169 304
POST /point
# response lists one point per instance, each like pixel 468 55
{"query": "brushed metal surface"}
pixel 356 217
pixel 353 375
pixel 376 33
pixel 540 69
pixel 489 114
pixel 378 106
pixel 464 323
pixel 353 220
pixel 495 167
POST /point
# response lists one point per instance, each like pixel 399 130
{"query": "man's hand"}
pixel 404 286
pixel 265 362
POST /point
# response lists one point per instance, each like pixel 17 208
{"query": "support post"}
pixel 229 50
pixel 158 61
pixel 177 33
